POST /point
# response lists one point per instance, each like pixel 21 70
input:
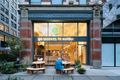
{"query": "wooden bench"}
pixel 68 70
pixel 31 70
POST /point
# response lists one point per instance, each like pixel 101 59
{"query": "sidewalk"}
pixel 91 74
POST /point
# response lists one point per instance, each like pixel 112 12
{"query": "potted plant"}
pixel 81 70
pixel 78 67
pixel 77 63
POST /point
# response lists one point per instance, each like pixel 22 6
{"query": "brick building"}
pixel 65 28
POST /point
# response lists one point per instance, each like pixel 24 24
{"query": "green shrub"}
pixel 8 68
pixel 22 67
pixel 7 57
pixel 81 70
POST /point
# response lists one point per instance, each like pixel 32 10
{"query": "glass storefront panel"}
pixel 107 49
pixel 54 51
pixel 70 29
pixel 61 40
pixel 117 54
pixel 70 51
pixel 40 29
pixel 55 29
pixel 82 29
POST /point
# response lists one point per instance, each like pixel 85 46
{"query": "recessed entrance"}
pixel 66 40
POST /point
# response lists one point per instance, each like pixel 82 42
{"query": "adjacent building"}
pixel 8 20
pixel 111 34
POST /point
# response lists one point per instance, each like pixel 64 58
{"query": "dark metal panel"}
pixel 60 15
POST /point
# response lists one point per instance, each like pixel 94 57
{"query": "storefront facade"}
pixel 72 32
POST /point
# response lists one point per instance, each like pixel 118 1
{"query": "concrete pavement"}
pixel 91 74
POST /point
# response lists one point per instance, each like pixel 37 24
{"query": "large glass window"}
pixel 107 50
pixel 117 54
pixel 82 28
pixel 40 29
pixel 70 29
pixel 60 40
pixel 55 29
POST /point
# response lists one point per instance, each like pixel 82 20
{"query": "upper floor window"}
pixel 55 2
pixel 83 1
pixel 1 27
pixel 35 1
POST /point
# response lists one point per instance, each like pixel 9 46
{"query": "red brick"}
pixel 96 55
pixel 26 33
pixel 96 44
pixel 96 33
pixel 26 53
pixel 97 24
pixel 27 44
pixel 25 24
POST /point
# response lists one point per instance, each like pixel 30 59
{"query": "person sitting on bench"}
pixel 59 66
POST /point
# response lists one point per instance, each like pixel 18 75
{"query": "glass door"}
pixel 54 50
pixel 82 51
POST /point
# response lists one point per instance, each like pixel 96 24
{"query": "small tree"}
pixel 15 46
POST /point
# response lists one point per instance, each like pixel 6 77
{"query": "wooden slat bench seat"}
pixel 31 70
pixel 71 70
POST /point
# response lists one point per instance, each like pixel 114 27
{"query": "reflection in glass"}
pixel 70 29
pixel 82 29
pixel 40 29
pixel 117 54
pixel 107 49
pixel 55 29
